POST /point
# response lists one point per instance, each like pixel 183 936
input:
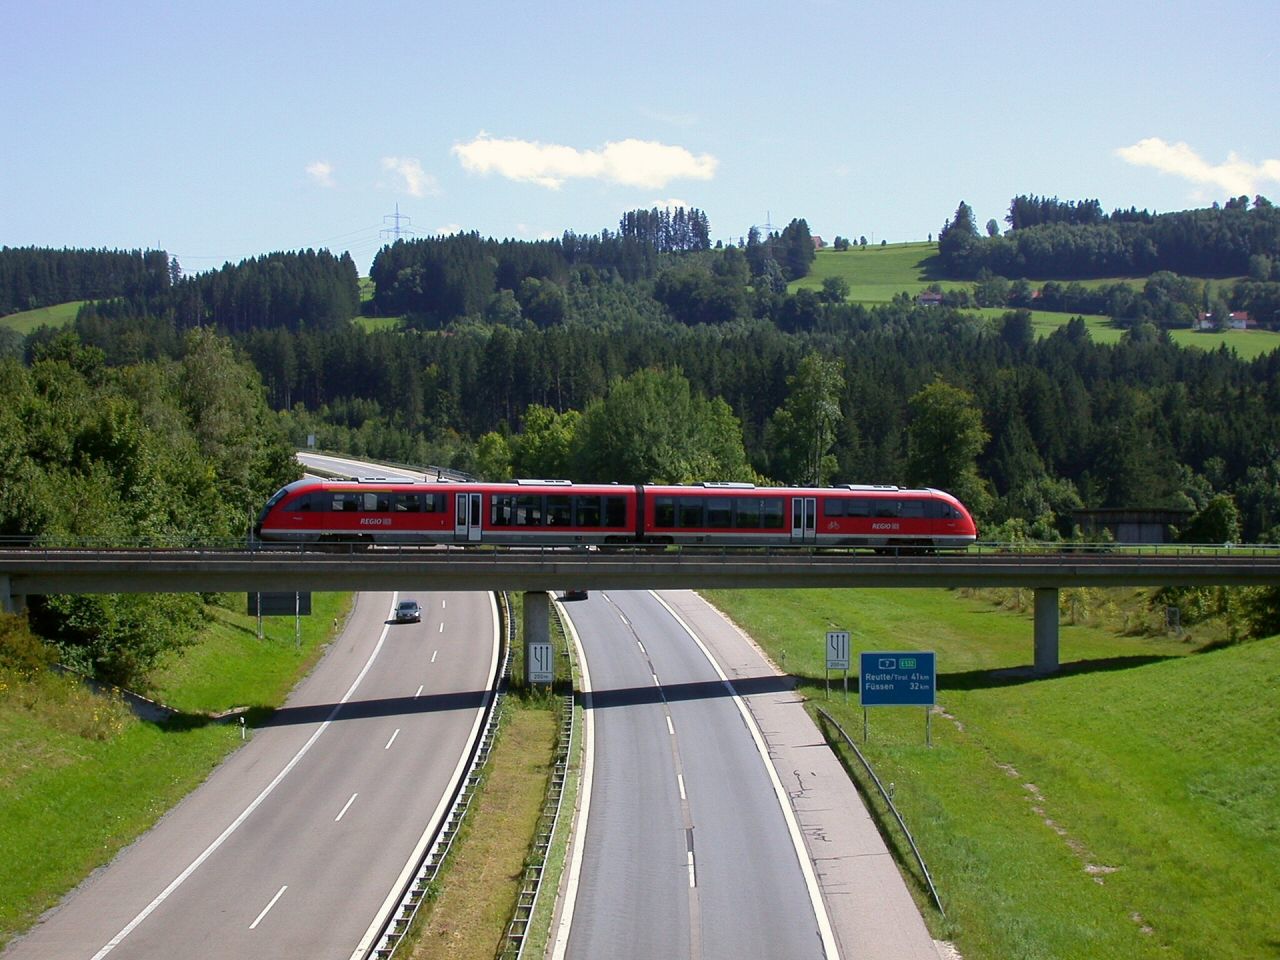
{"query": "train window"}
pixel 384 502
pixel 346 502
pixel 408 503
pixel 586 511
pixel 859 507
pixel 529 510
pixel 664 512
pixel 300 504
pixel 719 512
pixel 912 508
pixel 559 511
pixel 615 511
pixel 831 507
pixel 690 511
pixel 746 513
pixel 501 509
pixel 886 508
pixel 772 514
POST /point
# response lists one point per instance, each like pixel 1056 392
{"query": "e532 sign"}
pixel 898 679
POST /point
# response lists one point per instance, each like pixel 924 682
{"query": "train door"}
pixel 466 524
pixel 804 520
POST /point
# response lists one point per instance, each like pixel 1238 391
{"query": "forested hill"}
pixel 1069 240
pixel 537 358
pixel 31 277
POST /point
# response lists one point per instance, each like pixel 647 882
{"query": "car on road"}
pixel 408 611
pixel 575 595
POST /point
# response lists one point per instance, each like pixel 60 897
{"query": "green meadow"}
pixel 1127 807
pixel 59 315
pixel 878 274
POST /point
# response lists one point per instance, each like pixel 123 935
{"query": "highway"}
pixel 687 851
pixel 294 844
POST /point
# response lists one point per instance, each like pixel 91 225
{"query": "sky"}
pixel 220 131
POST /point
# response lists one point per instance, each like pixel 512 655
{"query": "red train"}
pixel 557 512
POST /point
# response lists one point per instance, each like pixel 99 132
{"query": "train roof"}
pixel 873 490
pixel 728 488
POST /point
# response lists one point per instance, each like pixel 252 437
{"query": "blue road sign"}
pixel 898 679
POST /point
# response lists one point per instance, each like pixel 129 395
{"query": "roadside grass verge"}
pixel 81 777
pixel 28 321
pixel 1129 806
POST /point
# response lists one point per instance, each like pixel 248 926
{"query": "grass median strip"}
pixel 470 908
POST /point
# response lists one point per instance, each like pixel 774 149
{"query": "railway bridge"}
pixel 27 571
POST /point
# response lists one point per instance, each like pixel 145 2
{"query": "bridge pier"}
pixel 8 602
pixel 537 623
pixel 1046 619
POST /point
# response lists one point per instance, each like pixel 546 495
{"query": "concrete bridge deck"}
pixel 34 571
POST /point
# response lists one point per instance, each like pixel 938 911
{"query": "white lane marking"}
pixel 420 686
pixel 279 894
pixel 411 865
pixel 670 729
pixel 680 781
pixel 829 945
pixel 624 619
pixel 434 654
pixel 442 626
pixel 257 801
pixel 641 646
pixel 655 681
pixel 392 740
pixel 578 832
pixel 693 881
pixel 347 806
pixel 444 604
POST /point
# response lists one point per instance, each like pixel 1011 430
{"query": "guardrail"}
pixel 889 802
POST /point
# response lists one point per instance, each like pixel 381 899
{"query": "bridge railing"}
pixel 167 546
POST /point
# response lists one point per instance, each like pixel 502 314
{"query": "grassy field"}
pixel 877 274
pixel 374 324
pixel 29 320
pixel 81 777
pixel 1128 807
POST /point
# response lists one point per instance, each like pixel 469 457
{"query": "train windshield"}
pixel 276 498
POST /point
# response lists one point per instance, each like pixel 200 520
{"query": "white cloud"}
pixel 414 180
pixel 321 172
pixel 632 163
pixel 1236 176
pixel 448 229
pixel 670 204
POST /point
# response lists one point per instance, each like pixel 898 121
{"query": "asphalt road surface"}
pixel 687 850
pixel 296 842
